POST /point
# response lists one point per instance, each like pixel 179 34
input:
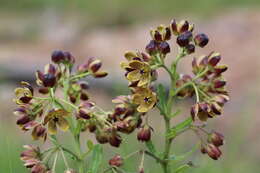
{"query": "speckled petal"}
pixel 134 75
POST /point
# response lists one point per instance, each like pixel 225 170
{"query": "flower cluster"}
pixel 45 112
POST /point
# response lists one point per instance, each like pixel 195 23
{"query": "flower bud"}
pixel 213 151
pixel 38 132
pixel 58 56
pixel 39 168
pixel 120 109
pixel 219 84
pixel 220 69
pixel 69 58
pixel 216 139
pixel 190 48
pixel 194 111
pixel 102 137
pixel 95 65
pixel 115 140
pixel 201 40
pixel 23 120
pixel 141 170
pixel 214 59
pixel 84 96
pixel 49 80
pixel 164 48
pixel 184 39
pixel 161 33
pixel 152 47
pixel 43 90
pixel 183 26
pixel 221 99
pixel 100 74
pixel 144 134
pixel 117 161
pixel 84 85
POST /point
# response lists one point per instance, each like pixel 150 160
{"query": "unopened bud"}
pixel 201 40
pixel 58 56
pixel 117 161
pixel 144 134
pixel 184 39
pixel 216 139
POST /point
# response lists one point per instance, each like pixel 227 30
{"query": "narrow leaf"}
pixel 151 147
pixel 182 168
pixel 184 155
pixel 162 96
pixel 97 155
pixel 179 128
pixel 90 144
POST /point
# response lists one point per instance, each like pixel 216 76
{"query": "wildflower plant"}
pixel 62 104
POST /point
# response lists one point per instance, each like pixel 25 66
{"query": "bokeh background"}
pixel 31 29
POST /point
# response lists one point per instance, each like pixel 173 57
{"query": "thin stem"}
pixel 196 92
pixel 54 163
pixel 71 153
pixel 68 103
pixel 64 158
pixel 79 76
pixel 154 156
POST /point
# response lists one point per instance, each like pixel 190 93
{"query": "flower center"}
pixel 146 99
pixel 55 119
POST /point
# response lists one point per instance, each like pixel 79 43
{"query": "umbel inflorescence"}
pixel 61 103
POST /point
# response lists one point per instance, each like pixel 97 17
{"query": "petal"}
pixel 135 64
pixel 63 124
pixel 142 108
pixel 137 98
pixel 134 75
pixel 52 128
pixel 145 79
pixel 124 65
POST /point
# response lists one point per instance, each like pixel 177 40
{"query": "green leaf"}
pixel 182 168
pixel 90 145
pixel 97 156
pixel 179 128
pixel 151 147
pixel 184 155
pixel 175 114
pixel 162 97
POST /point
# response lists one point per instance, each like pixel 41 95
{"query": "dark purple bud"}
pixel 84 114
pixel 43 90
pixel 84 85
pixel 201 39
pixel 102 138
pixel 69 58
pixel 49 80
pixel 183 26
pixel 84 96
pixel 219 84
pixel 184 39
pixel 95 65
pixel 57 56
pixel 115 140
pixel 174 27
pixel 120 109
pixel 152 47
pixel 144 134
pixel 216 108
pixel 167 33
pixel 214 59
pixel 164 47
pixel 157 36
pixel 100 74
pixel 190 48
pixel 23 120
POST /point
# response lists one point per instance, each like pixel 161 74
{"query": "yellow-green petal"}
pixel 134 75
pixel 63 124
pixel 52 128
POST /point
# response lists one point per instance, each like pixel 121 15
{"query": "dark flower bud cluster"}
pixel 211 147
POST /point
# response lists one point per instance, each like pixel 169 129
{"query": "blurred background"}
pixel 31 29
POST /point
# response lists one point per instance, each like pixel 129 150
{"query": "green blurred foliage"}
pixel 112 12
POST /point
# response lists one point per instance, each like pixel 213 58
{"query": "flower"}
pixel 49 77
pixel 39 131
pixel 23 94
pixel 181 27
pixel 216 138
pixel 139 71
pixel 144 98
pixel 54 118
